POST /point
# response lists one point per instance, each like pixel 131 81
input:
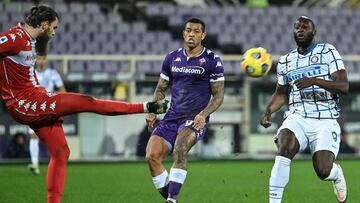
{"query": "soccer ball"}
pixel 256 62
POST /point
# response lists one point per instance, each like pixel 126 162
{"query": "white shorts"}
pixel 319 135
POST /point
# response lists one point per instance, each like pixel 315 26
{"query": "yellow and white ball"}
pixel 256 62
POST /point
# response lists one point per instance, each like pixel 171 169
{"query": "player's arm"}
pixel 5 44
pixel 161 87
pixel 217 90
pixel 278 99
pixel 338 84
pixel 165 78
pixel 160 90
pixel 10 44
pixel 159 94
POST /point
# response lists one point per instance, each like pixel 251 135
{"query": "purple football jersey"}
pixel 190 79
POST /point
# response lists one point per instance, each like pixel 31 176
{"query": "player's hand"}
pixel 150 120
pixel 157 107
pixel 304 82
pixel 199 121
pixel 265 120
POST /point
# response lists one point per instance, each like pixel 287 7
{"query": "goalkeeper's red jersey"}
pixel 18 80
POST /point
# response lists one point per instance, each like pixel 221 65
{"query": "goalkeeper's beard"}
pixel 42 44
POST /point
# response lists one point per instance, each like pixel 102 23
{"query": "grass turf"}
pixel 207 182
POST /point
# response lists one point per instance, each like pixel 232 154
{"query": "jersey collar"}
pixel 21 26
pixel 202 51
pixel 308 51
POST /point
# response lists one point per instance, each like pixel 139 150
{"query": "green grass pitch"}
pixel 207 182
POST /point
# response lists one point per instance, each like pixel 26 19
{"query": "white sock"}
pixel 334 173
pixel 279 178
pixel 177 175
pixel 171 199
pixel 34 151
pixel 161 180
pixel 145 107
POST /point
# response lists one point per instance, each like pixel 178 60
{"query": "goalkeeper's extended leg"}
pixel 71 103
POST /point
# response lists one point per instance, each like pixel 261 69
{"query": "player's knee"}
pixel 285 151
pixel 67 152
pixel 153 157
pixel 62 155
pixel 323 172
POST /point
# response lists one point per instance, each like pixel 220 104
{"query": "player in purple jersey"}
pixel 196 77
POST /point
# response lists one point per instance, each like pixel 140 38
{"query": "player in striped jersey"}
pixel 311 78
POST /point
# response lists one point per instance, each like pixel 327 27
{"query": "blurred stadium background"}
pixel 114 50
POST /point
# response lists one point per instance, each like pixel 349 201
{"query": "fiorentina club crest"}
pixel 202 60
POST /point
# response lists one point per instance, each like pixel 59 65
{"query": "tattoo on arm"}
pixel 217 89
pixel 160 90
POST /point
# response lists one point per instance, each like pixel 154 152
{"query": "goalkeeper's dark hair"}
pixel 39 14
pixel 195 20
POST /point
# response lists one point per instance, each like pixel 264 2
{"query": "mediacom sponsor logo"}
pixel 191 69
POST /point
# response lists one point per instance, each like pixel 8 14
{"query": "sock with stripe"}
pixel 177 177
pixel 161 183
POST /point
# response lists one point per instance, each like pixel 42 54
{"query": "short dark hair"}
pixel 39 14
pixel 195 20
pixel 307 19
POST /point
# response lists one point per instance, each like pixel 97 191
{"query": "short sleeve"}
pixel 217 70
pixel 281 72
pixel 334 60
pixel 166 68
